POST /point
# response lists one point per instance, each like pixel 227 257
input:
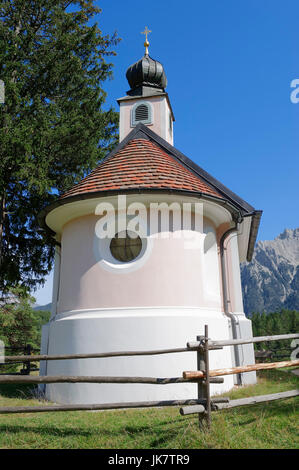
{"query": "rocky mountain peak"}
pixel 289 233
pixel 271 280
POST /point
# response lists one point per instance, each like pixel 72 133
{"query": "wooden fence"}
pixel 204 345
pixel 203 376
pixel 264 355
pixel 26 350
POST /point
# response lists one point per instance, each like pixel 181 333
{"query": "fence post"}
pixel 204 387
pixel 207 380
pixel 201 389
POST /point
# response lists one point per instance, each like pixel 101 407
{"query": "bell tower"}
pixel 146 101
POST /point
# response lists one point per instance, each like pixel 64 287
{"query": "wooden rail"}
pixel 191 346
pixel 237 370
pixel 62 357
pixel 240 402
pixel 27 350
pixel 51 379
pixel 107 406
pixel 234 342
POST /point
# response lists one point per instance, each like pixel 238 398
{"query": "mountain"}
pixel 43 307
pixel 270 281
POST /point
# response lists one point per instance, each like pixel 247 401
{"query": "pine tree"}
pixel 53 129
pixel 18 321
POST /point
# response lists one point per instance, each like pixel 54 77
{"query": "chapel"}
pixel 120 285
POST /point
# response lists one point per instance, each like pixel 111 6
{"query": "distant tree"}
pixel 53 129
pixel 275 323
pixel 19 323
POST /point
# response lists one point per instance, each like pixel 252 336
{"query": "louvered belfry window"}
pixel 141 112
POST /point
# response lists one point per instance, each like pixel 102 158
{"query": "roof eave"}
pixel 255 223
pixel 104 193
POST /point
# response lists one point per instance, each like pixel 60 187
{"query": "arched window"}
pixel 141 112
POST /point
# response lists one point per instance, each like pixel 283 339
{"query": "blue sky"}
pixel 229 66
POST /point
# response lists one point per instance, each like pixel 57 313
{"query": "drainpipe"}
pixel 231 316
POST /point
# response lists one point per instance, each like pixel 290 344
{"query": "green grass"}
pixel 269 425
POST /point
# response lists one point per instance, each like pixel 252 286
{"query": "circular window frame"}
pixel 106 260
pixel 118 249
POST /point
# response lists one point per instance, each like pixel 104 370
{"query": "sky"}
pixel 229 66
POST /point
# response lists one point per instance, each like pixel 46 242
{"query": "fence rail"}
pixel 236 342
pixel 63 357
pixel 191 346
pixel 203 376
pixel 51 379
pixel 241 402
pixel 109 406
pixel 27 367
pixel 238 370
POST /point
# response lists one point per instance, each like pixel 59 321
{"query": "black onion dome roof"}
pixel 146 72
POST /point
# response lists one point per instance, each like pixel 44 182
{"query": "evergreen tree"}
pixel 275 323
pixel 19 324
pixel 53 129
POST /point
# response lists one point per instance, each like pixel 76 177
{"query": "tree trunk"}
pixel 2 219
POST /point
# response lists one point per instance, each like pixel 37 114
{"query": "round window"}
pixel 125 246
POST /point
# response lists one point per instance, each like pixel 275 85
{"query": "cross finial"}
pixel 146 44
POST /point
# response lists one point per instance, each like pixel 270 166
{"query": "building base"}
pixel 106 330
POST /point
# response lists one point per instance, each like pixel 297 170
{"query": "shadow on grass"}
pixel 137 429
pixel 156 433
pixel 46 430
pixel 269 410
pixel 22 391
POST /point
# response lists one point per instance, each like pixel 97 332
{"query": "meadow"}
pixel 272 425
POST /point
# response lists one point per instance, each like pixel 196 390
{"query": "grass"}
pixel 269 425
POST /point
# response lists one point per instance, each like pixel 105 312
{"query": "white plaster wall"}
pixel 132 329
pixel 171 276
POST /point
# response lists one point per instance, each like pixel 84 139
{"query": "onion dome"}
pixel 147 72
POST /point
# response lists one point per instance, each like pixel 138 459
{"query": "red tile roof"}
pixel 140 164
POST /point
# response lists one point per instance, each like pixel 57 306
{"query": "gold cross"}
pixel 146 44
pixel 146 32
